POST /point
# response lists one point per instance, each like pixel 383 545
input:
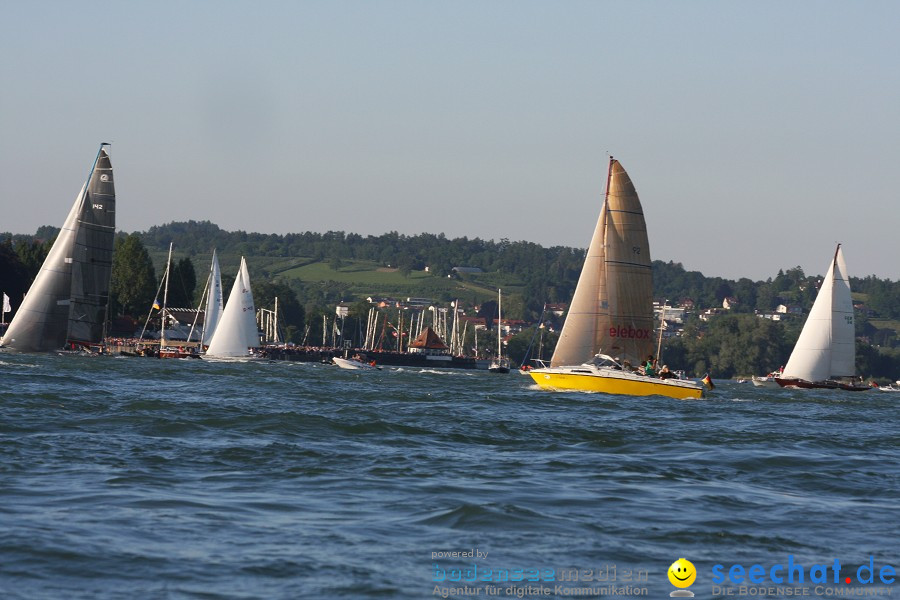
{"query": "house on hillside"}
pixel 418 303
pixel 382 302
pixel 772 316
pixel 785 309
pixel 558 309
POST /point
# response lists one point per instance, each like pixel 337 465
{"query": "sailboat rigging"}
pixel 499 364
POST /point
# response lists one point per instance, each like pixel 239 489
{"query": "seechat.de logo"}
pixel 682 574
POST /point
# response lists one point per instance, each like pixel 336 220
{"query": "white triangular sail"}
pixel 826 346
pixel 612 309
pixel 236 331
pixel 215 301
pixel 68 299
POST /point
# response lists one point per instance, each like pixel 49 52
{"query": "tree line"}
pixel 735 344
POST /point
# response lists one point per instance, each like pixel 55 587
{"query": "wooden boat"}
pixel 824 356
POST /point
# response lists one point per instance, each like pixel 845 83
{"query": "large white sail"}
pixel 826 346
pixel 843 337
pixel 214 300
pixel 68 299
pixel 236 331
pixel 612 309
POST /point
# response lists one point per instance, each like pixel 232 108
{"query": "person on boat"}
pixel 665 373
pixel 650 366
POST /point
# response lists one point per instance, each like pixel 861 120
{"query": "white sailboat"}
pixel 215 302
pixel 610 322
pixel 66 305
pixel 236 331
pixel 499 364
pixel 824 356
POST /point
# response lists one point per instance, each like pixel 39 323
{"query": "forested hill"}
pixel 541 275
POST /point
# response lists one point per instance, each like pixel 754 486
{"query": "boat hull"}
pixel 612 382
pixel 766 382
pixel 353 365
pixel 791 382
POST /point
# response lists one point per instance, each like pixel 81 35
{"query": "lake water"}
pixel 141 478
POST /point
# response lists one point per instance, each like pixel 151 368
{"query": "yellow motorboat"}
pixel 606 375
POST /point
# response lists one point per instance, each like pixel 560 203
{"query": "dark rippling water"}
pixel 139 478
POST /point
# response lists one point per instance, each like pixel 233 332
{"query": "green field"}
pixel 360 278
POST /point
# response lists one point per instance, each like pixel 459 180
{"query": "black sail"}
pixel 67 300
pixel 92 256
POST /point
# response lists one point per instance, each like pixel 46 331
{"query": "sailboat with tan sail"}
pixel 609 326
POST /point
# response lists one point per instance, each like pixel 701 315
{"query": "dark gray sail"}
pixel 67 300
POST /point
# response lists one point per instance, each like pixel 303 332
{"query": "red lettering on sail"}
pixel 630 333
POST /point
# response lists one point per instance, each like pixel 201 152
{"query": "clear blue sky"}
pixel 758 134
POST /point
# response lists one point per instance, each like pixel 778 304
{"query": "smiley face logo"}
pixel 682 573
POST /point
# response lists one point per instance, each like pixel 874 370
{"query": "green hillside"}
pixel 357 279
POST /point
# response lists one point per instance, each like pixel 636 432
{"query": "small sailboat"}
pixel 609 327
pixel 166 348
pixel 66 306
pixel 824 356
pixel 236 332
pixel 500 363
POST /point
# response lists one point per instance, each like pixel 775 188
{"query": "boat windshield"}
pixel 603 360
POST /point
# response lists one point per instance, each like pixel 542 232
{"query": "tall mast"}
pixel 162 330
pixel 206 309
pixel 662 325
pixel 499 321
pixel 275 324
